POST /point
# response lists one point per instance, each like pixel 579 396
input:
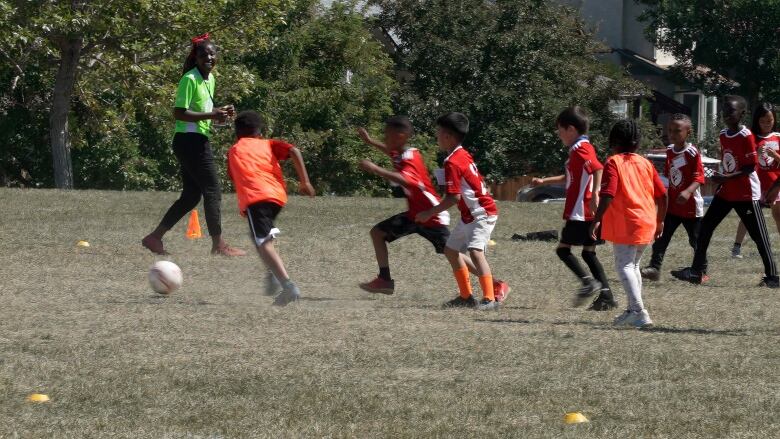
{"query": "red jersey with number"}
pixel 737 151
pixel 580 166
pixel 682 169
pixel 462 177
pixel 768 167
pixel 419 191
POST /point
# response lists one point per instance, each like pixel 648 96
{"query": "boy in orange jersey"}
pixel 253 165
pixel 630 214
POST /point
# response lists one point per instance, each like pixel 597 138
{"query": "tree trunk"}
pixel 70 52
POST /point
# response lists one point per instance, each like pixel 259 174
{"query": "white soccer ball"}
pixel 165 277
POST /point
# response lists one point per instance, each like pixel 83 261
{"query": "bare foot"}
pixel 154 244
pixel 227 250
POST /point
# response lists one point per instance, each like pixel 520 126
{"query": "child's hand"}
pixel 718 178
pixel 537 181
pixel 594 202
pixel 364 135
pixel 683 197
pixel 659 229
pixel 306 189
pixel 594 230
pixel 422 217
pixel 367 165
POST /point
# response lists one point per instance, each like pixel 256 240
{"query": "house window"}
pixel 619 108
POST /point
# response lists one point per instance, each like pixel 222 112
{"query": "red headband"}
pixel 200 39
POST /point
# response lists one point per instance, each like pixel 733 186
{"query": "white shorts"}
pixel 472 236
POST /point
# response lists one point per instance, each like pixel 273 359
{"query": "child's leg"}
pixel 671 223
pixel 379 239
pixel 714 216
pixel 751 214
pixel 484 273
pixel 595 267
pixel 564 254
pixel 693 228
pixel 776 215
pixel 460 271
pixel 273 261
pixel 741 232
pixel 627 270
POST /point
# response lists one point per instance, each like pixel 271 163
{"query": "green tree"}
pixel 127 46
pixel 717 41
pixel 510 65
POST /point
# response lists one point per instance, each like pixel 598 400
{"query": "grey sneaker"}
pixel 736 252
pixel 650 273
pixel 489 305
pixel 586 292
pixel 637 319
pixel 272 285
pixel 288 295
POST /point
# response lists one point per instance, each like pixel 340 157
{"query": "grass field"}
pixel 216 360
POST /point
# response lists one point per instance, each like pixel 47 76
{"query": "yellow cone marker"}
pixel 574 418
pixel 82 244
pixel 38 397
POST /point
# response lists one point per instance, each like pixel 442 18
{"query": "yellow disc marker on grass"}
pixel 574 418
pixel 38 397
pixel 82 244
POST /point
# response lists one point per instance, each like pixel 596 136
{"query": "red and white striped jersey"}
pixel 582 163
pixel 463 177
pixel 419 191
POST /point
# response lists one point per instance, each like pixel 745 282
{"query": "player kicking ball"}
pixel 411 174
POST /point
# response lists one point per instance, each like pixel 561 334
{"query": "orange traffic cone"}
pixel 193 227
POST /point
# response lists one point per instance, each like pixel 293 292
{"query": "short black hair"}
pixel 762 110
pixel 573 117
pixel 400 123
pixel 681 117
pixel 625 136
pixel 249 124
pixel 739 100
pixel 456 123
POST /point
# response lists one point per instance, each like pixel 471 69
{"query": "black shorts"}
pixel 261 218
pixel 400 225
pixel 577 233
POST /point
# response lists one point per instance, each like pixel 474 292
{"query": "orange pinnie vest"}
pixel 631 218
pixel 256 173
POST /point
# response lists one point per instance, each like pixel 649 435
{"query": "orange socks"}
pixel 486 282
pixel 462 277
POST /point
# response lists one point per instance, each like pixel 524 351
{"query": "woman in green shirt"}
pixel 194 112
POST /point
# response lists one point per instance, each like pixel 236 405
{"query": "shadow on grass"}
pixel 654 329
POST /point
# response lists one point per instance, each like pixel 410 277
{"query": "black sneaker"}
pixel 604 302
pixel 688 275
pixel 586 291
pixel 651 273
pixel 770 282
pixel 460 302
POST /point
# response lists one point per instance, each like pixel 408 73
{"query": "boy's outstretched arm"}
pixel 371 141
pixel 304 186
pixel 395 177
pixel 448 201
pixel 549 180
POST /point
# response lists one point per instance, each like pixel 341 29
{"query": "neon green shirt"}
pixel 195 94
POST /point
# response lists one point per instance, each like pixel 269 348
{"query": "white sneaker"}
pixel 272 285
pixel 637 319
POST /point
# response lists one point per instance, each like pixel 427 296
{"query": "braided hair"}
pixel 625 136
pixel 197 43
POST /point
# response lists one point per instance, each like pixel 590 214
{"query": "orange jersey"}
pixel 253 165
pixel 634 184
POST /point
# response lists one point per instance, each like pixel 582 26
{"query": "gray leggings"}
pixel 627 262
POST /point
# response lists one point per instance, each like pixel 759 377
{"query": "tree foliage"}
pixel 717 41
pixel 510 65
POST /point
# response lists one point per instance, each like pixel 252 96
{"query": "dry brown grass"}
pixel 216 360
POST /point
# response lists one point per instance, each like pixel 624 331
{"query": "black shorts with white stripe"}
pixel 261 218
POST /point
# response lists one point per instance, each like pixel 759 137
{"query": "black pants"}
pixel 671 223
pixel 199 177
pixel 750 214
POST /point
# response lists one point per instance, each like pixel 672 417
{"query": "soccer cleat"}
pixel 272 285
pixel 736 252
pixel 637 319
pixel 770 282
pixel 586 291
pixel 378 286
pixel 688 275
pixel 288 295
pixel 651 273
pixel 501 290
pixel 460 302
pixel 489 305
pixel 603 303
